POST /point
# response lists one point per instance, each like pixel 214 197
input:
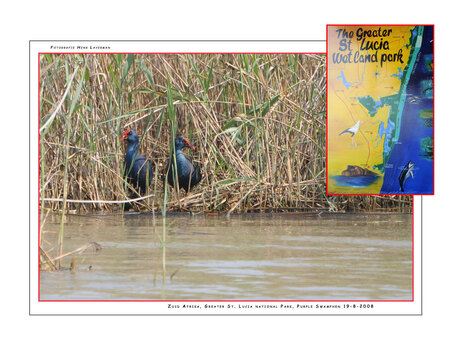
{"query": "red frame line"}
pixel 181 301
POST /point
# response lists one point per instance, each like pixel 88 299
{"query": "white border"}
pixel 161 308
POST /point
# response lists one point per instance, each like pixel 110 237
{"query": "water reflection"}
pixel 343 257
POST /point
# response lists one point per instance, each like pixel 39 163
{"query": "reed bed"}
pixel 257 121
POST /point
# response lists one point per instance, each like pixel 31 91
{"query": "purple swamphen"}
pixel 138 169
pixel 189 173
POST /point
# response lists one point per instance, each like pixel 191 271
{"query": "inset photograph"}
pixel 380 88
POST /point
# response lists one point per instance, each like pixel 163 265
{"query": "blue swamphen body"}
pixel 188 173
pixel 138 169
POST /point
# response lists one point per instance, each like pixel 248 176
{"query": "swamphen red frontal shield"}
pixel 138 169
pixel 188 173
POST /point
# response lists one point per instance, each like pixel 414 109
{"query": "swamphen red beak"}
pixel 188 144
pixel 125 135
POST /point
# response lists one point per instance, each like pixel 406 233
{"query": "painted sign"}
pixel 380 109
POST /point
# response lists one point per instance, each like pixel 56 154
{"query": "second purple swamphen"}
pixel 138 169
pixel 188 173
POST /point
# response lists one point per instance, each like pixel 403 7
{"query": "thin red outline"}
pixel 180 301
pixel 327 107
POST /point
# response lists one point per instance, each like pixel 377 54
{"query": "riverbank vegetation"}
pixel 257 121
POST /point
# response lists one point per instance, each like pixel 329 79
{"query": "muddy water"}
pixel 345 257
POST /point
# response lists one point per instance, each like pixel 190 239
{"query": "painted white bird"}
pixel 352 130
